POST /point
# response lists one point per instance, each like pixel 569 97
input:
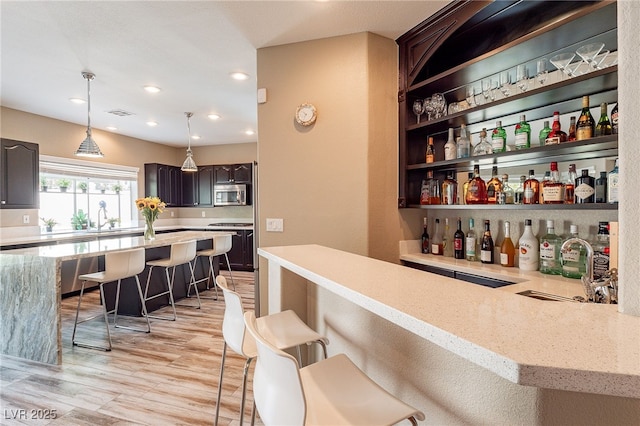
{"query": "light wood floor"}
pixel 167 377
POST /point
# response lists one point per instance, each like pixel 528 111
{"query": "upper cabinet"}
pixel 19 162
pixel 233 173
pixel 471 42
pixel 165 182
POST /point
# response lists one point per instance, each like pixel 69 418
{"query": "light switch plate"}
pixel 275 225
pixel 262 95
pixel 25 219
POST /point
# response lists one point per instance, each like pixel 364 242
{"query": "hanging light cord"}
pixel 189 114
pixel 89 76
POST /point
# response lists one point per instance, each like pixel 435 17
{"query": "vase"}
pixel 149 232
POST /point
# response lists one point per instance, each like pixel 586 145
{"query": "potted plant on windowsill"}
pixel 63 184
pixel 82 186
pixel 80 220
pixel 112 222
pixel 117 188
pixel 49 223
pixel 101 187
pixel 44 184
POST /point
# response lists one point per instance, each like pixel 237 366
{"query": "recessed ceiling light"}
pixel 214 116
pixel 77 100
pixel 151 123
pixel 152 89
pixel 196 137
pixel 112 128
pixel 249 132
pixel 239 75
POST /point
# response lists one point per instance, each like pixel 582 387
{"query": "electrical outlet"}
pixel 275 225
pixel 172 214
pixel 203 214
pixel 25 218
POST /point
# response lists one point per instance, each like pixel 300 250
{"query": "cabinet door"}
pixel 242 173
pixel 236 254
pixel 174 193
pixel 190 193
pixel 205 185
pixel 223 174
pixel 248 250
pixel 19 175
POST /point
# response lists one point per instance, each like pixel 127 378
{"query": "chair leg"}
pixel 253 413
pixel 104 315
pixel 230 275
pixel 193 283
pixel 244 387
pixel 144 309
pixel 210 279
pixel 169 292
pixel 224 357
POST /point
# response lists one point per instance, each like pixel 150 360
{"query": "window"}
pixel 105 193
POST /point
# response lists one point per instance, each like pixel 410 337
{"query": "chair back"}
pixel 233 328
pixel 182 252
pixel 222 243
pixel 124 264
pixel 277 387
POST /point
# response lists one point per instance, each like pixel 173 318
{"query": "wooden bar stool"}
pixel 118 265
pixel 181 253
pixel 221 245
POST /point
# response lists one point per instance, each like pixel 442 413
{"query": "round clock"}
pixel 306 114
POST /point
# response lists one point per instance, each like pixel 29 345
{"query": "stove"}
pixel 230 224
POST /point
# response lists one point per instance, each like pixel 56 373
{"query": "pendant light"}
pixel 89 147
pixel 189 165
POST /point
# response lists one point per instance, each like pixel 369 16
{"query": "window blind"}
pixel 87 169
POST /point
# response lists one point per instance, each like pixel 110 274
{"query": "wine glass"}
pixel 418 108
pixel 588 52
pixel 428 107
pixel 439 104
pixel 542 71
pixel 486 89
pixel 561 61
pixel 471 95
pixel 598 61
pixel 522 77
pixel 505 83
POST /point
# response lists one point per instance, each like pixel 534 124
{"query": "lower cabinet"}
pixel 241 253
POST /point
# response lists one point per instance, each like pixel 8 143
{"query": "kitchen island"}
pixel 576 347
pixel 30 289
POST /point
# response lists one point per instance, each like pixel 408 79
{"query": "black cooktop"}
pixel 230 224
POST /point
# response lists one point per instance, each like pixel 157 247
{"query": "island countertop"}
pixel 577 347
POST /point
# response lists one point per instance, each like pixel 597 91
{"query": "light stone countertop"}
pixel 559 345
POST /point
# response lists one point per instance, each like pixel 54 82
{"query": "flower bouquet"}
pixel 150 208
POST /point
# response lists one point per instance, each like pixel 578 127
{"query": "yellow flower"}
pixel 150 207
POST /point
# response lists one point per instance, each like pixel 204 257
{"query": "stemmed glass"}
pixel 487 92
pixel 542 71
pixel 471 95
pixel 561 61
pixel 588 52
pixel 428 107
pixel 522 77
pixel 439 104
pixel 598 61
pixel 418 108
pixel 505 83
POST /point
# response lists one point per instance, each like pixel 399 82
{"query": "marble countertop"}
pixel 559 345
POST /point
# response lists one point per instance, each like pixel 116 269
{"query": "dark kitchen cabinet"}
pixel 165 182
pixel 241 253
pixel 19 176
pixel 197 188
pixel 232 173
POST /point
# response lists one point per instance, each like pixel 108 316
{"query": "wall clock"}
pixel 306 114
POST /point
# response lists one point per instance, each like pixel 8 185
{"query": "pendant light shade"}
pixel 89 147
pixel 189 165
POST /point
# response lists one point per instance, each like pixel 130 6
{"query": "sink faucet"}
pixel 103 208
pixel 603 290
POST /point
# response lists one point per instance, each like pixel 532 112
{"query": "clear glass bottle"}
pixel 463 144
pixel 493 186
pixel 499 138
pixel 471 243
pixel 601 188
pixel 523 134
pixel 483 147
pixel 507 250
pixel 585 188
pixel 601 251
pixel 507 191
pixel 556 135
pixel 531 193
pixel 426 245
pixel 574 259
pixel 528 249
pixel 553 189
pixel 572 129
pixel 542 136
pixel 586 125
pixel 449 190
pixel 477 191
pixel 612 184
pixel 519 192
pixel 433 191
pixel 486 245
pixel 447 239
pixel 450 148
pixel 465 188
pixel 614 120
pixel 458 242
pixel 570 185
pixel 603 127
pixel 431 153
pixel 437 243
pixel 550 244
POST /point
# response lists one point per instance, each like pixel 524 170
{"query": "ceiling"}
pixel 187 48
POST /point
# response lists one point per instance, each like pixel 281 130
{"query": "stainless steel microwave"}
pixel 230 195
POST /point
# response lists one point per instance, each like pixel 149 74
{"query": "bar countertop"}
pixel 579 347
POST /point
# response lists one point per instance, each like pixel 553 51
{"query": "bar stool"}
pixel 221 245
pixel 118 265
pixel 284 330
pixel 181 253
pixel 330 392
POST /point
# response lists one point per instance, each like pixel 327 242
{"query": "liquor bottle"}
pixel 614 120
pixel 499 138
pixel 604 125
pixel 465 188
pixel 424 193
pixel 434 188
pixel 572 129
pixel 550 244
pixel 586 125
pixel 528 257
pixel 450 148
pixel 585 188
pixel 507 250
pixel 601 251
pixel 508 193
pixel 431 153
pixel 570 185
pixel 483 147
pixel 612 185
pixel 458 242
pixel 518 194
pixel 426 245
pixel 447 243
pixel 601 188
pixel 464 144
pixel 544 133
pixel 493 186
pixel 470 243
pixel 545 179
pixel 574 259
pixel 437 241
pixel 523 134
pixel 531 194
pixel 477 191
pixel 553 189
pixel 486 246
pixel 556 135
pixel 449 190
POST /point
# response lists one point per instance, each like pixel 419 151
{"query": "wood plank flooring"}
pixel 167 377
